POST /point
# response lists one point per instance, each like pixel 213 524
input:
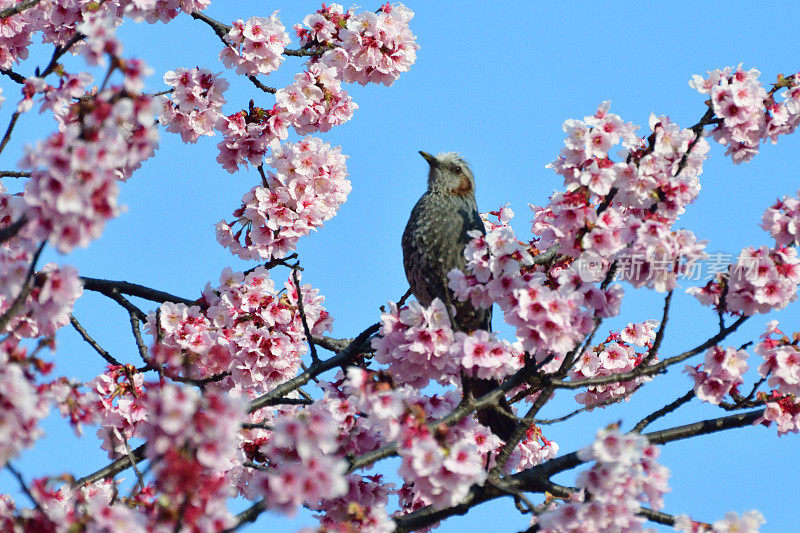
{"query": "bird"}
pixel 433 244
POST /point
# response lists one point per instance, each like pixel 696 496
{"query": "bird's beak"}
pixel 428 157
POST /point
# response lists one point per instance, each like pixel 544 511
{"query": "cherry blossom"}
pixel 246 328
pixel 748 113
pixel 760 281
pixel 367 47
pixel 255 46
pixel 721 374
pixel 782 221
pixel 191 441
pixel 194 107
pixel 21 405
pixel 415 342
pixel 625 472
pixel 306 468
pixel 308 186
pixel 616 355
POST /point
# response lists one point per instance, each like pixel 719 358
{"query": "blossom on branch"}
pixel 194 106
pixel 308 186
pixel 255 46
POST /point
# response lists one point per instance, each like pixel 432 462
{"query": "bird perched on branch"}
pixel 433 245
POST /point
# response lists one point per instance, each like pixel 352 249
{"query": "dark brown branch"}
pixel 655 415
pixel 19 78
pixel 104 354
pixel 58 52
pixel 111 470
pixel 536 479
pixel 12 229
pixel 9 129
pixel 18 8
pixel 14 174
pixel 109 287
pixel 329 343
pixel 340 359
pixel 519 432
pixel 24 487
pixel 303 318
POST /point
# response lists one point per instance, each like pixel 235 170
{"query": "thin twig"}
pixel 653 352
pixel 104 354
pixel 655 415
pixel 604 403
pixel 14 174
pixel 132 459
pixel 10 127
pixel 303 318
pixel 641 371
pixel 24 487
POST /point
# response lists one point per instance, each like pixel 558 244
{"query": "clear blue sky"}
pixel 494 83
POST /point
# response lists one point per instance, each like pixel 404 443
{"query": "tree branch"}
pixel 109 287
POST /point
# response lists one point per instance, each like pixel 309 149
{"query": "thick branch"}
pixel 340 359
pixel 109 287
pixel 536 479
pixel 18 8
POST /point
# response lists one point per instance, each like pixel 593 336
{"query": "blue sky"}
pixel 494 83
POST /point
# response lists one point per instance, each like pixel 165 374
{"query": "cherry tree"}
pixel 241 394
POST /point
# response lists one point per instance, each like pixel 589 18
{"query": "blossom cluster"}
pixel 546 309
pixel 248 135
pixel 52 293
pixel 438 465
pixel 315 101
pixel 193 107
pixel 192 444
pixel 484 356
pixel 308 186
pixel 441 472
pixel 72 191
pixel 361 508
pixel 367 47
pixel 782 366
pixel 415 343
pixel 255 46
pixel 721 373
pixel 748 113
pixel 782 221
pixel 616 355
pixel 625 473
pixel 305 466
pixel 21 404
pixel 116 407
pixel 245 327
pixel 760 281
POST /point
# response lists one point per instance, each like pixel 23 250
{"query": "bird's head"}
pixel 449 173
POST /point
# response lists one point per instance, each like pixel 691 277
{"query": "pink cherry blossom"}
pixel 308 186
pixel 255 46
pixel 194 107
pixel 364 47
pixel 721 374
